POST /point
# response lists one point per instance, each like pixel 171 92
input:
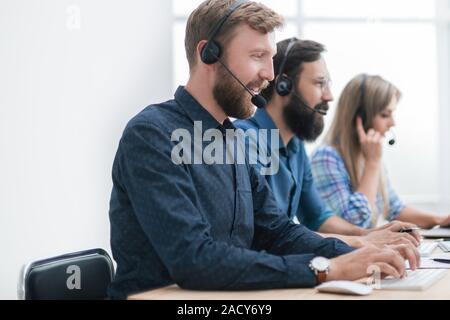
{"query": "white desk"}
pixel 439 291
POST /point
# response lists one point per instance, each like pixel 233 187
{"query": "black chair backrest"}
pixel 83 275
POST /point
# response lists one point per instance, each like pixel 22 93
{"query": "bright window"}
pixel 369 8
pixel 404 54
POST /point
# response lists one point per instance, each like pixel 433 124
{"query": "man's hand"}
pixel 397 226
pixel 356 265
pixel 409 253
pixel 380 238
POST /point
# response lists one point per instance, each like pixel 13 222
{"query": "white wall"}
pixel 69 82
pixel 444 80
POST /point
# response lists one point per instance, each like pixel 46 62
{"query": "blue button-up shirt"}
pixel 203 227
pixel 293 185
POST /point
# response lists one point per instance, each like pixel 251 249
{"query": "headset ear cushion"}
pixel 283 85
pixel 211 52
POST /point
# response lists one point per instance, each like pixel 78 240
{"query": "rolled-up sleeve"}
pixel 333 184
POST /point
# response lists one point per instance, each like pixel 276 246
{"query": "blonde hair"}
pixel 369 95
pixel 208 14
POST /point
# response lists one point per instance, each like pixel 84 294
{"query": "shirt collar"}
pixel 264 121
pixel 195 111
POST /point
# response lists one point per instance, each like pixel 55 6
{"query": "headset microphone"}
pixel 257 99
pixel 317 109
pixel 212 52
pixel 393 139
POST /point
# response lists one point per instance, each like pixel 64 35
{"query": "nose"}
pixel 327 95
pixel 267 72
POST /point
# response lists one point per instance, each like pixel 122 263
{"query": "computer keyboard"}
pixel 416 280
pixel 427 248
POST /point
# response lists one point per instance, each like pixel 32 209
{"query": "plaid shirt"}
pixel 334 185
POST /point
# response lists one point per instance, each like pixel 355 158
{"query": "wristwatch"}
pixel 321 267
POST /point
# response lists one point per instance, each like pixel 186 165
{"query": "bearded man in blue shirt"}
pixel 298 100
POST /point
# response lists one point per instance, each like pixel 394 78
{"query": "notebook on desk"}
pixel 438 232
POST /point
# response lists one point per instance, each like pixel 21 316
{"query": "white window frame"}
pixel 443 41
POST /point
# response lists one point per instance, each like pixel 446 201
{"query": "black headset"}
pixel 212 50
pixel 284 84
pixel 362 95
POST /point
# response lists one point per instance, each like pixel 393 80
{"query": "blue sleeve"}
pixel 164 199
pixel 278 234
pixel 312 212
pixel 334 186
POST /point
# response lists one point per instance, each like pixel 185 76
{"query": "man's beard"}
pixel 234 100
pixel 303 122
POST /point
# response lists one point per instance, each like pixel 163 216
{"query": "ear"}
pixel 199 49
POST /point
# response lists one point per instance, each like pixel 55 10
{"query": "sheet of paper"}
pixel 428 263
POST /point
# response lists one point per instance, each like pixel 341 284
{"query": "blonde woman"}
pixel 348 169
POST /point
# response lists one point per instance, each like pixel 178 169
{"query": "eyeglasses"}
pixel 323 83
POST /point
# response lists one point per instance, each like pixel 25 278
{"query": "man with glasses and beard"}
pixel 298 99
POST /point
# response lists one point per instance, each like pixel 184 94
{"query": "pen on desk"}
pixel 442 260
pixel 409 230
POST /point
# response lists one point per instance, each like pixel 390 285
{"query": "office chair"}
pixel 81 275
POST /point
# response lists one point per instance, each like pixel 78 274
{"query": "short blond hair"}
pixel 201 21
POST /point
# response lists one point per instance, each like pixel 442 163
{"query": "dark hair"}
pixel 302 51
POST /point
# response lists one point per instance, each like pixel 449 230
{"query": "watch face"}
pixel 320 264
